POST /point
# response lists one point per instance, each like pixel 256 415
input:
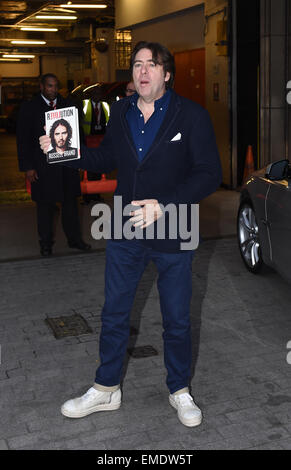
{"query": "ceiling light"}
pixel 32 28
pixel 55 17
pixel 82 5
pixel 27 42
pixel 21 56
pixel 63 10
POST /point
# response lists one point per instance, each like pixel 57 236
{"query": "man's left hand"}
pixel 148 213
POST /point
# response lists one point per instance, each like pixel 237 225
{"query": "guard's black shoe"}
pixel 46 251
pixel 80 245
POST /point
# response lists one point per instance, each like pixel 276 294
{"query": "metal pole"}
pixel 287 52
pixel 233 16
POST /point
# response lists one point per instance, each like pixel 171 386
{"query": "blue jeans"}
pixel 125 264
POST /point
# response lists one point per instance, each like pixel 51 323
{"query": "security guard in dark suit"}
pixel 49 183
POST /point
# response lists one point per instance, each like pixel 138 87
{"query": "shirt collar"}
pixel 48 101
pixel 133 99
pixel 164 100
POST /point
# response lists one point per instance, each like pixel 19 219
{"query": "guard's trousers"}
pixel 125 264
pixel 70 221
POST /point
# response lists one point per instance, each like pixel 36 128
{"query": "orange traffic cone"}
pixel 249 163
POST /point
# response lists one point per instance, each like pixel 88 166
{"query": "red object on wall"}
pixel 27 185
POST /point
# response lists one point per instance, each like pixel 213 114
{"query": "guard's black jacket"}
pixel 55 181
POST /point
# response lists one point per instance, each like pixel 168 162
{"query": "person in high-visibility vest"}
pixel 95 115
pixel 95 118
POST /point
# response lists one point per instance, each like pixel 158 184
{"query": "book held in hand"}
pixel 62 125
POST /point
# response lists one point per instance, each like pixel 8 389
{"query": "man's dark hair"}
pixel 44 77
pixel 67 125
pixel 161 55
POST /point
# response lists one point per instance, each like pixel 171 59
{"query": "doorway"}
pixel 190 75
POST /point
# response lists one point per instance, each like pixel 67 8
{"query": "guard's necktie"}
pixel 52 105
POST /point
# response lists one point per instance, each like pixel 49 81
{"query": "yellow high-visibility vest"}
pixel 87 112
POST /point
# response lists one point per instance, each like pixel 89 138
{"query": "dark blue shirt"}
pixel 143 134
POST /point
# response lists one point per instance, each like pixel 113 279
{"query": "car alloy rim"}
pixel 248 236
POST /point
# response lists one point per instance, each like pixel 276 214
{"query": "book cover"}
pixel 62 125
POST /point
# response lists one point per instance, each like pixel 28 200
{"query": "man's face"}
pixel 50 88
pixel 61 136
pixel 130 89
pixel 149 78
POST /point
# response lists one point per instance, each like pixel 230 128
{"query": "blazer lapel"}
pixel 127 131
pixel 171 114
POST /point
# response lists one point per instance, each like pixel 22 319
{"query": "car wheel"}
pixel 248 238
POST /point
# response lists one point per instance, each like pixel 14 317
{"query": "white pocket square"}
pixel 177 137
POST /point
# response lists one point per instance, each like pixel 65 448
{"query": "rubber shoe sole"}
pixel 93 409
pixel 187 422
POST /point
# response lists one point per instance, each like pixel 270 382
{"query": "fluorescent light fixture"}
pixel 9 60
pixel 27 42
pixel 21 56
pixel 82 5
pixel 32 28
pixel 60 11
pixel 55 17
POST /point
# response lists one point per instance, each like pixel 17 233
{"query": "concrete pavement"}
pixel 241 377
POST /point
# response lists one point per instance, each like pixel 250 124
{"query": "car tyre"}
pixel 248 238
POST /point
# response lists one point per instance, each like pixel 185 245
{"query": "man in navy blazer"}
pixel 164 148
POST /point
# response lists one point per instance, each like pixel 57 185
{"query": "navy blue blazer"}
pixel 182 171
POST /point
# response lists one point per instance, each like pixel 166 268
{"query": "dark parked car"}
pixel 264 219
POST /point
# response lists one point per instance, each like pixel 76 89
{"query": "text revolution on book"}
pixel 58 114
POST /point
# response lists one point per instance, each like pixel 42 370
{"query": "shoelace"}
pixel 185 399
pixel 89 393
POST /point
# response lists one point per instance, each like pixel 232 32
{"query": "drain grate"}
pixel 73 325
pixel 142 351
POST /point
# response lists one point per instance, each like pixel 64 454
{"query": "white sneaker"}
pixel 188 412
pixel 93 400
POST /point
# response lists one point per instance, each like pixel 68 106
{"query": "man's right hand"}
pixel 31 175
pixel 44 142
